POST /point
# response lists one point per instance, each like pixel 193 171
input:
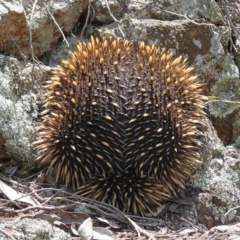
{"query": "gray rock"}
pixel 20 93
pixel 37 30
pixel 30 228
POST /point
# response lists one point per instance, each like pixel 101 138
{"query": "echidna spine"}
pixel 122 123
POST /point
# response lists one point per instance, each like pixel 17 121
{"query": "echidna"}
pixel 122 122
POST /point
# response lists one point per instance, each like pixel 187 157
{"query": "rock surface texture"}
pixel 36 35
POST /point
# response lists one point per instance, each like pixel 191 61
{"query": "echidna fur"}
pixel 122 122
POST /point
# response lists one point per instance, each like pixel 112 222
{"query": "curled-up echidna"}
pixel 122 123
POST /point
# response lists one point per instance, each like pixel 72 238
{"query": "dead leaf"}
pixel 156 212
pixel 185 232
pixel 100 233
pixel 61 225
pixel 111 223
pixel 85 231
pixel 13 195
pixel 74 228
pixel 70 217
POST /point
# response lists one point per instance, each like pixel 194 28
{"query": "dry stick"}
pixel 137 228
pixel 23 56
pixel 25 194
pixel 119 28
pixel 224 101
pixel 57 198
pixel 94 14
pixel 51 198
pixel 109 10
pixel 190 20
pixel 196 227
pixel 86 21
pixel 140 230
pixel 231 25
pixel 34 192
pixel 15 183
pixel 30 30
pixel 219 14
pixel 59 28
pixel 8 235
pixel 109 215
pixel 63 199
pixel 238 6
pixel 127 219
pixel 116 211
pixel 120 214
pixel 34 59
pixel 31 208
pixel 229 18
pixel 30 26
pixel 231 209
pixel 148 219
pixel 33 175
pixel 124 218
